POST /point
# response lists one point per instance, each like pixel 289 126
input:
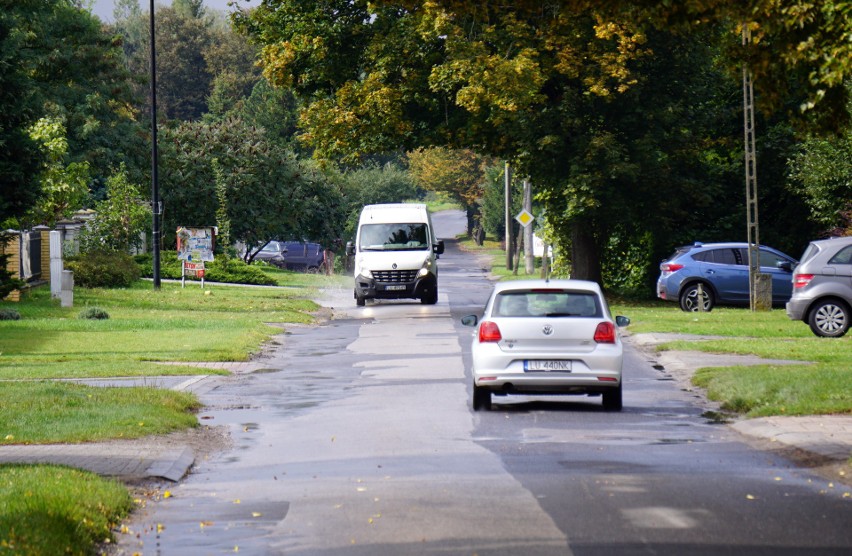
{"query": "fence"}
pixel 29 254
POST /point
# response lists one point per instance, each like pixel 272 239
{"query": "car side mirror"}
pixel 469 320
pixel 786 266
pixel 350 248
pixel 622 321
pixel 439 247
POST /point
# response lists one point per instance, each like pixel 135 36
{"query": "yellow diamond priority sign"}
pixel 525 218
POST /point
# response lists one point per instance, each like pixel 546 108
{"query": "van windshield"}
pixel 394 237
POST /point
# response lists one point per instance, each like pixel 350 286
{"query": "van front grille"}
pixel 395 276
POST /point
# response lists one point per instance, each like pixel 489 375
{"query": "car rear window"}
pixel 547 303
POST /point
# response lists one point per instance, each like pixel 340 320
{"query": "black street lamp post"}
pixel 155 188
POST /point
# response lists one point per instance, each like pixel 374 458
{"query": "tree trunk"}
pixel 585 259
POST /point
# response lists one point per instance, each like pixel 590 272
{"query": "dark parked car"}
pixel 822 287
pixel 272 253
pixel 304 256
pixel 721 271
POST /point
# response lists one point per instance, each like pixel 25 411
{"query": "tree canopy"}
pixel 615 109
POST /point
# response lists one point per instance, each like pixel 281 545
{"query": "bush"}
pixel 104 269
pixel 9 314
pixel 222 269
pixel 93 313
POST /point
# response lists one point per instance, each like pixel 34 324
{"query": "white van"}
pixel 396 254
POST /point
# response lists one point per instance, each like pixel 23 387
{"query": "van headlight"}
pixel 427 267
pixel 367 273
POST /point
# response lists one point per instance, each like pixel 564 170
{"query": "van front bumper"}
pixel 398 287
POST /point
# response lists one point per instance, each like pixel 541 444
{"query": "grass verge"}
pixel 47 509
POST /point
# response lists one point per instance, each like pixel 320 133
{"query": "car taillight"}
pixel 605 333
pixel 802 280
pixel 670 267
pixel 489 332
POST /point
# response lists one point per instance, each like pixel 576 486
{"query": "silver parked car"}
pixel 822 287
pixel 546 337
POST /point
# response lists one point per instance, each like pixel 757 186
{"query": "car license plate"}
pixel 395 288
pixel 547 365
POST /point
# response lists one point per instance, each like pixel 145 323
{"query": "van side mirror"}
pixel 439 247
pixel 622 321
pixel 350 248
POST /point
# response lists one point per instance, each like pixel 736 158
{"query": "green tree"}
pixel 822 170
pixel 119 220
pixel 19 155
pixel 267 193
pixel 183 77
pixel 615 110
pixel 82 80
pixel 457 172
pixel 64 184
pixel 56 61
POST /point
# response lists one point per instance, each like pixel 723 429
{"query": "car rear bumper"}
pixel 797 308
pixel 590 374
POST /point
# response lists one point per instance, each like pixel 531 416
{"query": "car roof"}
pixel 844 240
pixel 552 284
pixel 738 244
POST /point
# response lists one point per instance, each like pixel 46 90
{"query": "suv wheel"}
pixel 689 298
pixel 829 318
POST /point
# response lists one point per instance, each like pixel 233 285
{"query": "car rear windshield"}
pixel 547 303
pixel 394 237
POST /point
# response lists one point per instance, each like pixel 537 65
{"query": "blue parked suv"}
pixel 721 269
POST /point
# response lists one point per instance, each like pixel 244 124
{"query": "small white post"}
pixel 67 295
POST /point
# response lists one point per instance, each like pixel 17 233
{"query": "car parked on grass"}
pixel 720 272
pixel 822 287
pixel 272 253
pixel 540 337
pixel 303 256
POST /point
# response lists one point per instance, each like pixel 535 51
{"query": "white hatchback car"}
pixel 547 337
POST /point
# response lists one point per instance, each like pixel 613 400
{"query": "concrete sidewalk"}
pixel 823 439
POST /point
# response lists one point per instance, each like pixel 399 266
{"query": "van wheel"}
pixel 481 399
pixel 360 300
pixel 430 298
pixel 689 298
pixel 829 318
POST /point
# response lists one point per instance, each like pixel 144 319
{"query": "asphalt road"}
pixel 359 439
